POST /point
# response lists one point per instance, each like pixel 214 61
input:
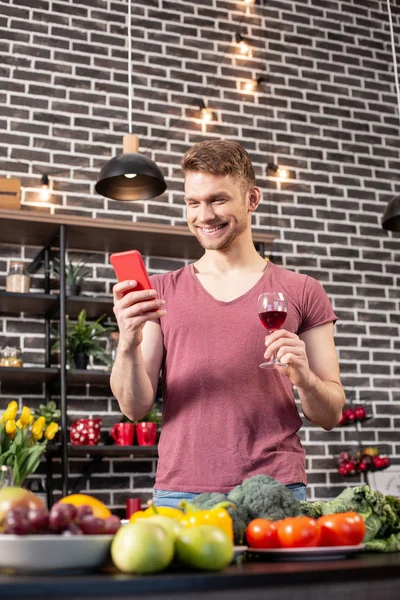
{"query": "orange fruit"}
pixel 99 509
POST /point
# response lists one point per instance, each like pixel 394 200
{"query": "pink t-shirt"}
pixel 224 418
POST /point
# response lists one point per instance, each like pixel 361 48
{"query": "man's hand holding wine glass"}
pixel 290 350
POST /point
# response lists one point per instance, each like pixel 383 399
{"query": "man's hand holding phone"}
pixel 134 300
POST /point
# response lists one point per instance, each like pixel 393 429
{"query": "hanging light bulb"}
pixel 252 84
pixel 205 113
pixel 244 47
pixel 130 176
pixel 280 173
pixel 44 193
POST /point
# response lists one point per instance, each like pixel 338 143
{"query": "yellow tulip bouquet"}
pixel 24 438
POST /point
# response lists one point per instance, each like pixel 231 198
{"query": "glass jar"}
pixel 10 356
pixel 18 279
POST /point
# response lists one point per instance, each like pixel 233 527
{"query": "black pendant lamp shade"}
pixel 391 216
pixel 130 176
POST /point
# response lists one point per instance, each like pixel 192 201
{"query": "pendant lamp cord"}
pixel 129 67
pixel 396 76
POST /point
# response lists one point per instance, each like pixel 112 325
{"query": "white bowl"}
pixel 53 552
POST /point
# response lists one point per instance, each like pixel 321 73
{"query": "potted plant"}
pixel 75 273
pixel 24 438
pixel 83 340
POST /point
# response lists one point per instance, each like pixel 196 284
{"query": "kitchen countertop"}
pixel 359 577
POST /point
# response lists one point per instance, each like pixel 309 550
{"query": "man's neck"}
pixel 230 261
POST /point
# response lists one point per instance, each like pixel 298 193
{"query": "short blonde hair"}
pixel 221 158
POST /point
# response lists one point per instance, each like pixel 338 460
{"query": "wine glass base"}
pixel 272 363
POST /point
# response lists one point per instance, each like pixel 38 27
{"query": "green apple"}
pixel 142 547
pixel 171 526
pixel 205 547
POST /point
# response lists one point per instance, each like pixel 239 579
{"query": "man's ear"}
pixel 254 198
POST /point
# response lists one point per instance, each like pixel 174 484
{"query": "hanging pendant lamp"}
pixel 130 175
pixel 391 216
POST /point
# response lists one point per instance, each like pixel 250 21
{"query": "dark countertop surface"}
pixel 361 576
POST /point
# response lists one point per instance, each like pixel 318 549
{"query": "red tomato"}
pixel 342 529
pixel 261 533
pixel 298 532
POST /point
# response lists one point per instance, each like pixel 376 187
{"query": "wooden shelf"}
pixel 104 450
pixel 36 304
pixel 107 235
pixel 88 376
pixel 23 378
pixel 32 304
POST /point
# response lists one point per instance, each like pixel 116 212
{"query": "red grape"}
pixel 73 529
pixel 112 524
pixel 38 519
pixel 16 521
pixel 61 515
pixel 92 525
pixel 83 510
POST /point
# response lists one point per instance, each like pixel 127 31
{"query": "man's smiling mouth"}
pixel 210 230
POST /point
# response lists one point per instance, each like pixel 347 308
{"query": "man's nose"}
pixel 206 212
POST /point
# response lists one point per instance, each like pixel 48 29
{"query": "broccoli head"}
pixel 266 498
pixel 239 514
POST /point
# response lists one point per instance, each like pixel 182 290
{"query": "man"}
pixel 225 418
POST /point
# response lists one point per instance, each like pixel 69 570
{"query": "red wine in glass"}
pixel 273 319
pixel 272 310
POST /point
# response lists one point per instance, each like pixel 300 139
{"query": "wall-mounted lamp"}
pixel 279 172
pixel 244 47
pixel 44 193
pixel 205 113
pixel 252 84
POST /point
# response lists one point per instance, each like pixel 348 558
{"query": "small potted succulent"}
pixel 75 273
pixel 83 340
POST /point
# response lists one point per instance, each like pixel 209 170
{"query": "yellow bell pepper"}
pixel 217 515
pixel 166 511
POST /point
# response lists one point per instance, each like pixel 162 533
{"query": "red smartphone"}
pixel 129 265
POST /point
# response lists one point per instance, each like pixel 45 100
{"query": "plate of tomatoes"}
pixel 305 538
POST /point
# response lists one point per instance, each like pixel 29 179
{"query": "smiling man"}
pixel 224 418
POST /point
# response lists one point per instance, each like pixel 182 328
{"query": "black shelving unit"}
pixel 60 232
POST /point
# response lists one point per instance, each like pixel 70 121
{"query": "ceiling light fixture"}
pixel 44 193
pixel 248 2
pixel 130 176
pixel 205 113
pixel 391 216
pixel 244 47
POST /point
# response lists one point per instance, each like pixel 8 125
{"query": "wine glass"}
pixel 272 310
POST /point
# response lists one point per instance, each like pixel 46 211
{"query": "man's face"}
pixel 217 209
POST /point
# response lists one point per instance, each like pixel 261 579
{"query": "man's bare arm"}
pixel 135 373
pixel 137 366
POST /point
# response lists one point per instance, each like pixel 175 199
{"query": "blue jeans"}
pixel 172 499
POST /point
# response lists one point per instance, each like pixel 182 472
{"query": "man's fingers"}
pixel 120 288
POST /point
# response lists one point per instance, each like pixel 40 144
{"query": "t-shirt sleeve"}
pixel 316 306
